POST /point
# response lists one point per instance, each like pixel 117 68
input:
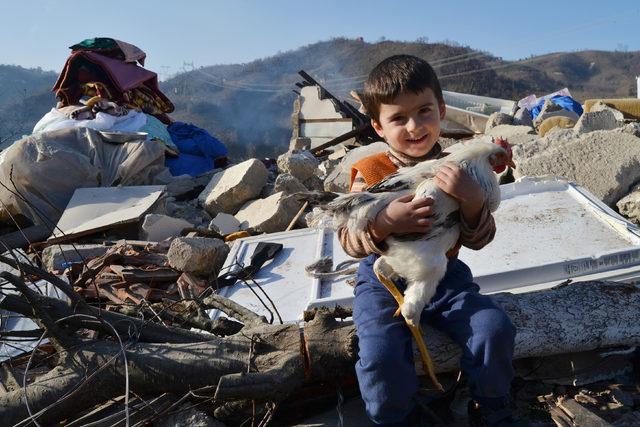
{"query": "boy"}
pixel 403 97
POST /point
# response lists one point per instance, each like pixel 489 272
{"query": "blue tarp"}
pixel 566 102
pixel 197 149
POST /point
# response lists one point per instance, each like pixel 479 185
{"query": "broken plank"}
pixel 580 415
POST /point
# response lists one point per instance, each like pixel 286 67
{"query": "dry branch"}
pixel 270 362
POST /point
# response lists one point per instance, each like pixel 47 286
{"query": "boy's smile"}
pixel 411 123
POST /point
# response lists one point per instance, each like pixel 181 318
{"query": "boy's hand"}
pixel 403 215
pixel 454 181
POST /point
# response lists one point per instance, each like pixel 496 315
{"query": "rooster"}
pixel 420 259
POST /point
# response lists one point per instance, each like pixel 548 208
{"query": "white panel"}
pixel 312 107
pixel 325 129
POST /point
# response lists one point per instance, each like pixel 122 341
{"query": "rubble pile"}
pixel 164 263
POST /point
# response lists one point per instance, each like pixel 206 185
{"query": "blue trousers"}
pixel 385 369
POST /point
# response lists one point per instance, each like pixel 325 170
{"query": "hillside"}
pixel 248 105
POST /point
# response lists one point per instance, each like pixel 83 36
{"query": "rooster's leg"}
pixel 416 330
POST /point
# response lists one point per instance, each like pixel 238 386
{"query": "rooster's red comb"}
pixel 503 143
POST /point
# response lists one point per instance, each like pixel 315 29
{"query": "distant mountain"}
pixel 25 96
pixel 248 106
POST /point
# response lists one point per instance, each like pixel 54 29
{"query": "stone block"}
pixel 156 228
pixel 224 224
pixel 301 164
pixel 601 106
pixel 198 255
pixel 288 184
pixel 269 215
pixel 234 186
pixel 53 257
pixel 597 120
pixel 497 119
pixel 607 163
pixel 629 205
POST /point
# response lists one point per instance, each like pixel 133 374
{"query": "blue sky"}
pixel 37 33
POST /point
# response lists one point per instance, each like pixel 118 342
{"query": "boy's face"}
pixel 411 123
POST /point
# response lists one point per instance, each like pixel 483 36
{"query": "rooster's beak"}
pixel 511 164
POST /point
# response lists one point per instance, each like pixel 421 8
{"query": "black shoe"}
pixel 485 417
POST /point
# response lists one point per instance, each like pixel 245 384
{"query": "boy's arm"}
pixel 362 244
pixel 477 226
pixel 476 233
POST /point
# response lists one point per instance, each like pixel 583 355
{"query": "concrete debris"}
pixel 224 224
pixel 229 189
pixel 156 227
pixel 198 255
pixel 288 184
pixel 629 205
pixel 269 215
pixel 188 211
pixel 601 106
pixel 497 119
pixel 588 160
pixel 300 164
pixel 598 120
pixel 59 257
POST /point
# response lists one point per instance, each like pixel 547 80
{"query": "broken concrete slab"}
pixel 269 215
pixel 55 256
pixel 288 184
pixel 497 119
pixel 606 163
pixel 157 227
pixel 601 106
pixel 229 189
pixel 198 255
pixel 597 120
pixel 338 179
pixel 96 209
pixel 301 164
pixel 224 224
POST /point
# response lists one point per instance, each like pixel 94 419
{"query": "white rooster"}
pixel 420 258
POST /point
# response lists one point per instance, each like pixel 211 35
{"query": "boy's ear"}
pixel 376 126
pixel 443 110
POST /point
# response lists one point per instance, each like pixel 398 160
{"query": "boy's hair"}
pixel 395 75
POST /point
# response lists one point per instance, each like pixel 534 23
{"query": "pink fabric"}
pixel 86 66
